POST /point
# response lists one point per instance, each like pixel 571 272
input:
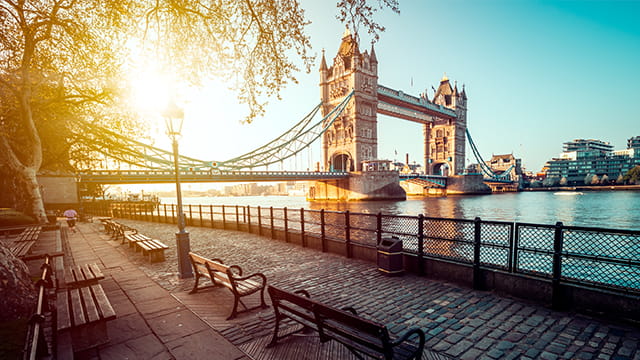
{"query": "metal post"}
pixel 286 226
pixel 323 238
pixel 477 274
pixel 200 212
pixel 249 218
pixel 259 221
pixel 211 215
pixel 273 235
pixel 379 228
pixel 182 236
pixel 347 233
pixel 224 218
pixel 556 290
pixel 303 240
pixel 421 244
pixel 237 218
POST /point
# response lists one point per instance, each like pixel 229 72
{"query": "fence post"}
pixel 347 233
pixel 286 225
pixel 249 219
pixel 379 228
pixel 421 244
pixel 556 290
pixel 211 215
pixel 259 221
pixel 224 218
pixel 190 215
pixel 237 218
pixel 174 218
pixel 165 212
pixel 477 274
pixel 323 237
pixel 302 239
pixel 271 218
pixel 200 212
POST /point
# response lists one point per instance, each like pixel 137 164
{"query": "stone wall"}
pixel 466 184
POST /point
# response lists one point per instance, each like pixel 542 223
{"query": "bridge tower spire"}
pixel 353 136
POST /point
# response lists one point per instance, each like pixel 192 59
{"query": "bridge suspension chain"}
pixel 98 139
pixel 483 165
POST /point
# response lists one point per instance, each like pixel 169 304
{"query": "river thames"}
pixel 607 209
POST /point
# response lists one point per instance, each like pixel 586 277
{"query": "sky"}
pixel 537 74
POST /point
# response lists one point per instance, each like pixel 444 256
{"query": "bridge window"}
pixel 439 133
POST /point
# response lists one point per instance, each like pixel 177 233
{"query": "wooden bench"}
pixel 116 230
pixel 82 275
pixel 132 237
pixel 24 242
pixel 152 248
pixel 229 276
pixel 359 335
pixel 82 314
pixel 35 345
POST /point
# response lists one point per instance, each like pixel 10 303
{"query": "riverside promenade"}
pixel 158 319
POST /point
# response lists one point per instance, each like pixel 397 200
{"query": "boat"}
pixel 568 193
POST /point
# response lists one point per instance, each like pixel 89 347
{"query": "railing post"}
pixel 556 290
pixel 224 219
pixel 211 215
pixel 302 239
pixel 237 218
pixel 271 218
pixel 323 237
pixel 286 225
pixel 379 228
pixel 477 274
pixel 249 219
pixel 347 233
pixel 190 216
pixel 421 244
pixel 174 219
pixel 200 212
pixel 259 221
pixel 165 212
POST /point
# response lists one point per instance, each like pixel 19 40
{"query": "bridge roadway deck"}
pixel 460 323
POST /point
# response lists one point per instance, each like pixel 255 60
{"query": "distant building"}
pixel 500 164
pixel 582 158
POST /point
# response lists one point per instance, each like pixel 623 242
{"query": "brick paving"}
pixel 459 322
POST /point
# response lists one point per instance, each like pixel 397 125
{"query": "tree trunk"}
pixel 35 195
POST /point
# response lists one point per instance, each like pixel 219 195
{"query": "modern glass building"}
pixel 584 158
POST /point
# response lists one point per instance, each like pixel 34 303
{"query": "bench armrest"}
pixel 350 309
pixel 303 292
pixel 410 333
pixel 260 275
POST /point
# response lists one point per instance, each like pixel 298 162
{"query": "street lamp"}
pixel 174 117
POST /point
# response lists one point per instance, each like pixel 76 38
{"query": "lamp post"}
pixel 174 117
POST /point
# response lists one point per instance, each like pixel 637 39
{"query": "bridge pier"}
pixel 360 186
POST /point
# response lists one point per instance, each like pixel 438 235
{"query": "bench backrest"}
pixel 364 335
pixel 215 270
pixel 294 305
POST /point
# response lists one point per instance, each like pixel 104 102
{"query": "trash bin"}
pixel 390 256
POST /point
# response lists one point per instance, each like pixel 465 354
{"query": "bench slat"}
pixel 89 305
pixel 103 302
pixel 76 307
pixel 64 318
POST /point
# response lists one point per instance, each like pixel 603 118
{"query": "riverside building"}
pixel 589 161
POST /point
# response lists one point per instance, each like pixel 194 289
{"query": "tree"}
pixel 65 60
pixel 633 175
pixel 563 181
pixel 588 178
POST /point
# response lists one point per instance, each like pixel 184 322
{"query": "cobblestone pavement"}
pixel 459 322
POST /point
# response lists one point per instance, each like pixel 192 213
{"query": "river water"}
pixel 607 209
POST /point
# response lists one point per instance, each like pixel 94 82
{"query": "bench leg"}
pixel 274 339
pixel 234 313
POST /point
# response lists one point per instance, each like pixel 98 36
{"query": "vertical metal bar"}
pixel 323 237
pixel 347 233
pixel 302 238
pixel 259 221
pixel 379 228
pixel 165 212
pixel 244 214
pixel 249 218
pixel 421 244
pixel 190 215
pixel 174 219
pixel 556 290
pixel 477 274
pixel 224 218
pixel 237 218
pixel 200 212
pixel 511 256
pixel 271 217
pixel 211 215
pixel 286 225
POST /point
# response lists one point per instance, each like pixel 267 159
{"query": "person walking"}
pixel 71 216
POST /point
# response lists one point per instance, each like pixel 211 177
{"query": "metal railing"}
pixel 586 256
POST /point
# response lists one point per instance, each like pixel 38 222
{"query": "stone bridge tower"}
pixel 445 139
pixel 353 136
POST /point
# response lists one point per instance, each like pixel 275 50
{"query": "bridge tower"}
pixel 444 139
pixel 353 136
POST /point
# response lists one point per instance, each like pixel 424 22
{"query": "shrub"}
pixel 10 217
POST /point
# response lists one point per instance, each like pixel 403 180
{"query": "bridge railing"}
pixel 596 258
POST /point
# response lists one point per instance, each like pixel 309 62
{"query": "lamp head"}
pixel 174 117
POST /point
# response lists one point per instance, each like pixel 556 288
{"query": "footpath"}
pixel 158 319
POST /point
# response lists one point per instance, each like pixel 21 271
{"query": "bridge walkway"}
pixel 460 323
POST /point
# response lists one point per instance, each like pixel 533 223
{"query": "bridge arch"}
pixel 342 161
pixel 442 168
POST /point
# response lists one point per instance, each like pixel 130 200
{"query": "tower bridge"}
pixel 351 98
